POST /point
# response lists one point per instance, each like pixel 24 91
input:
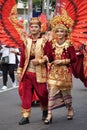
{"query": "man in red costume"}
pixel 32 71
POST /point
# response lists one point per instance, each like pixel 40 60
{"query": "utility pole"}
pixel 47 9
pixel 29 9
pixel 24 5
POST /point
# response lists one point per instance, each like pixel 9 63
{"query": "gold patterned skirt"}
pixel 59 87
pixel 61 76
pixel 59 98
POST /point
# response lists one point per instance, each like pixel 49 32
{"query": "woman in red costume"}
pixel 76 10
pixel 60 74
pixel 32 71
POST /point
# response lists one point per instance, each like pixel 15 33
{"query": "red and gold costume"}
pixel 33 76
pixel 60 72
pixel 60 76
pixel 11 29
pixel 76 10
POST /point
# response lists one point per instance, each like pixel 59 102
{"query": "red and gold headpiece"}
pixel 62 21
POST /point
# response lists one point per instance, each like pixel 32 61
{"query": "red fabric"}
pixel 35 97
pixel 78 69
pixel 29 81
pixel 20 90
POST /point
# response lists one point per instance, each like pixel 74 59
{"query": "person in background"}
pixel 32 71
pixel 9 67
pixel 60 74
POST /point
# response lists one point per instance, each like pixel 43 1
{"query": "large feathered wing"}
pixel 79 33
pixel 10 29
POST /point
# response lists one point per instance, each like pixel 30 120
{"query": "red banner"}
pixel 59 5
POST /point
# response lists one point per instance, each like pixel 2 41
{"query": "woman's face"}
pixel 34 29
pixel 61 33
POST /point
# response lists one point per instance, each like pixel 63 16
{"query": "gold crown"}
pixel 63 19
pixel 35 20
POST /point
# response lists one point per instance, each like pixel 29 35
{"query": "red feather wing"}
pixel 10 34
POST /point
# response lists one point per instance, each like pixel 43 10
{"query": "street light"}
pixel 47 9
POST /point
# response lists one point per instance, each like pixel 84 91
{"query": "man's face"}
pixel 34 29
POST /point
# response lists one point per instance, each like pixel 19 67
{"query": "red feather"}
pixel 9 24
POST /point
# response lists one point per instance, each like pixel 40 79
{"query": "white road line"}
pixel 0 77
pixel 8 89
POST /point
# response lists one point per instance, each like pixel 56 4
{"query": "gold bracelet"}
pixel 19 70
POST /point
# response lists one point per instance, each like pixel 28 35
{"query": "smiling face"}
pixel 61 33
pixel 34 29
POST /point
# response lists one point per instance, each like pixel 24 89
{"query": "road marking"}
pixel 0 77
pixel 8 89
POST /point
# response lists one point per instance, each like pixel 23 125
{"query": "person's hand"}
pixel 57 62
pixel 45 38
pixel 45 58
pixel 19 76
pixel 35 62
pixel 50 35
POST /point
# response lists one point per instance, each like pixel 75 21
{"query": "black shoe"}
pixel 44 115
pixel 24 121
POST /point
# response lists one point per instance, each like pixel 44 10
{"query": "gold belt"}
pixel 31 70
pixel 31 67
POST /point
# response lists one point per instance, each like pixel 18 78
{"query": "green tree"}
pixel 16 1
pixel 24 1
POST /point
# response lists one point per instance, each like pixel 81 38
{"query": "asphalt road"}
pixel 10 111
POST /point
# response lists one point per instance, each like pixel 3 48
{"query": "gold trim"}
pixel 60 84
pixel 25 112
pixel 19 70
pixel 31 70
pixel 65 61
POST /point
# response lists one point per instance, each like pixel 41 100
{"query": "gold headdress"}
pixel 75 19
pixel 62 21
pixel 35 20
